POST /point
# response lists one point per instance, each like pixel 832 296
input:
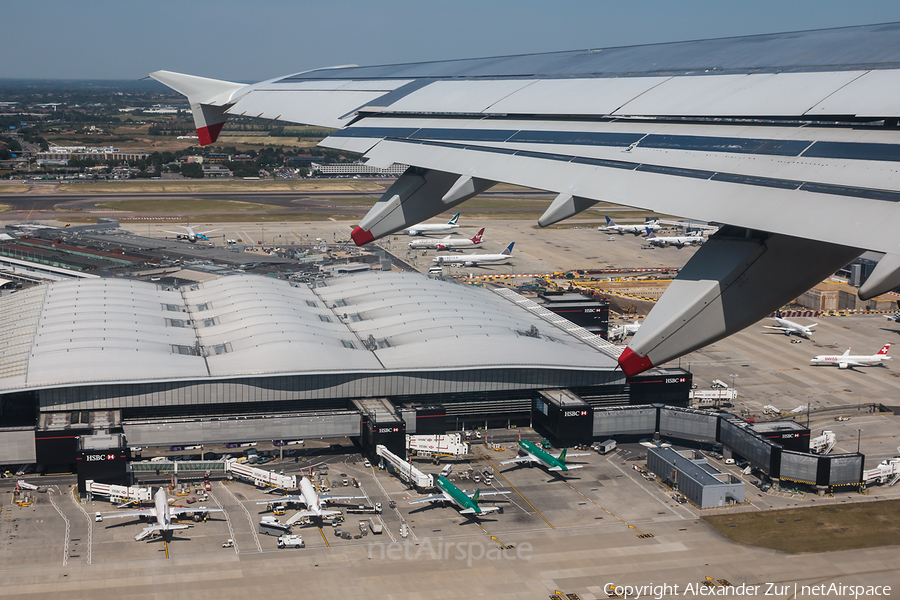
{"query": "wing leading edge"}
pixel 780 141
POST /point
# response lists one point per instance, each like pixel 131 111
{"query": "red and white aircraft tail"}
pixel 476 239
pixel 884 349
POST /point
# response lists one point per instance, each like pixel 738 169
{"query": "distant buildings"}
pixel 61 155
pixel 355 168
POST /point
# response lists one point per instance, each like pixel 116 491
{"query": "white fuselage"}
pixel 470 259
pixel 677 240
pixel 310 497
pixel 847 360
pixel 161 505
pixel 430 228
pixel 789 327
pixel 446 242
pixel 635 229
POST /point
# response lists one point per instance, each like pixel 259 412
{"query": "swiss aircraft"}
pixel 789 327
pixel 470 260
pixel 847 360
pixel 611 227
pixel 190 235
pixel 680 241
pixel 449 243
pixel 778 137
pixel 467 502
pixel 535 455
pixel 434 227
pixel 163 513
pixel 313 501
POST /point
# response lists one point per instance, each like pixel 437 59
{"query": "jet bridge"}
pixel 405 470
pixel 260 477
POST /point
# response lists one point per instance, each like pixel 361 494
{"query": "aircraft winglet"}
pixel 210 99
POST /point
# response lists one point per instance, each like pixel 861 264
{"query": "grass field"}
pixel 232 218
pixel 200 186
pixel 184 205
pixel 5 207
pixel 815 529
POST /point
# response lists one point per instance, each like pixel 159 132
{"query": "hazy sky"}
pixel 245 40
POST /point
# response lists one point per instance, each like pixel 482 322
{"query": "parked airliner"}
pixel 679 241
pixel 448 243
pixel 434 227
pixel 312 500
pixel 611 227
pixel 466 501
pixel 469 260
pixel 163 513
pixel 190 235
pixel 535 455
pixel 789 327
pixel 847 360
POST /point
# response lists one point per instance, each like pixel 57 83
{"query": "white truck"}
pixel 291 541
pixel 375 526
pixel 605 447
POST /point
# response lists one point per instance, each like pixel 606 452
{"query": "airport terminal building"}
pixel 243 357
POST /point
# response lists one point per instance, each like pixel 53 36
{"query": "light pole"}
pixel 858 437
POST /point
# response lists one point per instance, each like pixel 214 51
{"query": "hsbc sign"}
pixel 96 457
pixel 575 413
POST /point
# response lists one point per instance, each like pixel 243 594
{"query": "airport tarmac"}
pixel 577 245
pixel 767 369
pixel 600 524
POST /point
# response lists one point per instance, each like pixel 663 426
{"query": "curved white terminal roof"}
pixel 115 330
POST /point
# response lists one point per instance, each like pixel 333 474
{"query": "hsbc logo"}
pixel 575 413
pixel 96 457
pixel 389 430
pixel 676 380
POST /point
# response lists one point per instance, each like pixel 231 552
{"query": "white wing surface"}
pixel 780 138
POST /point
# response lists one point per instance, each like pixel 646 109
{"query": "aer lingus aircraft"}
pixel 535 455
pixel 779 137
pixel 466 501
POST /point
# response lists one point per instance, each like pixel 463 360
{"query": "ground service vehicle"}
pixel 606 447
pixel 291 541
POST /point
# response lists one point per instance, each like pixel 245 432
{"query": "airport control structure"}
pixel 373 357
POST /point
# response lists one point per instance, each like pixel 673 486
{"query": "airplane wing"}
pixel 568 468
pixel 434 498
pixel 481 510
pixel 777 328
pixel 147 512
pixel 327 498
pixel 183 510
pixel 284 499
pixel 205 232
pixel 520 460
pixel 483 494
pixel 321 513
pixel 176 232
pixel 783 126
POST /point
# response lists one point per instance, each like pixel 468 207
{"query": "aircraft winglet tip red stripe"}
pixel 209 134
pixel 632 363
pixel 360 236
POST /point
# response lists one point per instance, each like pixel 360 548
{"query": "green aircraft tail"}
pixel 562 455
